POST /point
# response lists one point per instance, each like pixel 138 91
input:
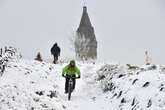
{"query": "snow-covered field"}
pixel 32 85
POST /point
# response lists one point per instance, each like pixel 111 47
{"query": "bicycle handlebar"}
pixel 71 77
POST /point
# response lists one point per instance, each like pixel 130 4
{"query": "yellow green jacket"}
pixel 67 70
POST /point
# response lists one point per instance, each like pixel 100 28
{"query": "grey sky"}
pixel 124 28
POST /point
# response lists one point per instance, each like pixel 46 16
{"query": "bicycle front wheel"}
pixel 69 92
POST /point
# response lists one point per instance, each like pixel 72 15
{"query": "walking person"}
pixel 55 51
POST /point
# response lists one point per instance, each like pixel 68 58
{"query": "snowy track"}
pixel 84 97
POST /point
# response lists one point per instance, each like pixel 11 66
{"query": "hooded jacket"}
pixel 68 70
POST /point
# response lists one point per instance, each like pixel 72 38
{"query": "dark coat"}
pixel 55 50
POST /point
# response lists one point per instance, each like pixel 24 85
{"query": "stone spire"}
pixel 85 42
pixel 85 21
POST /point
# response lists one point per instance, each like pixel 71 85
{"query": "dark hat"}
pixel 55 44
pixel 72 63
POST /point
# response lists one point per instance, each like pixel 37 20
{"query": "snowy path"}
pixel 84 97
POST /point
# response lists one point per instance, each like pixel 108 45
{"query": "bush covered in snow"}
pixel 144 89
pixel 7 55
pixel 107 73
pixel 28 85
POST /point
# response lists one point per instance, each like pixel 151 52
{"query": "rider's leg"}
pixel 66 84
pixel 74 83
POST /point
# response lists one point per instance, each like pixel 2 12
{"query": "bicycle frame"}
pixel 70 86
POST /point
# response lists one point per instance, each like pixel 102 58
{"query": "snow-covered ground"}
pixel 28 85
pixel 132 87
pixel 32 85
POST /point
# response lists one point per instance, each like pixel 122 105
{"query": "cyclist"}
pixel 70 70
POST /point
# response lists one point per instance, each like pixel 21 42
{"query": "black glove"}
pixel 63 75
pixel 78 76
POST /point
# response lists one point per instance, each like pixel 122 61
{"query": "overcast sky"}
pixel 124 28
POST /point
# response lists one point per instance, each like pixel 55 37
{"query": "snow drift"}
pixel 28 85
pixel 132 87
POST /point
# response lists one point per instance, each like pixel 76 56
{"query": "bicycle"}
pixel 70 85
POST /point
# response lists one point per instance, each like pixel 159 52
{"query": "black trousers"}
pixel 67 83
pixel 55 59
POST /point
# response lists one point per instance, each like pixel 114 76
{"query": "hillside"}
pixel 32 85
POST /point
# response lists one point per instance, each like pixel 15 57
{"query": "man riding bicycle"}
pixel 69 71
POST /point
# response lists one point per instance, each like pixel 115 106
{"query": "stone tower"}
pixel 85 41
